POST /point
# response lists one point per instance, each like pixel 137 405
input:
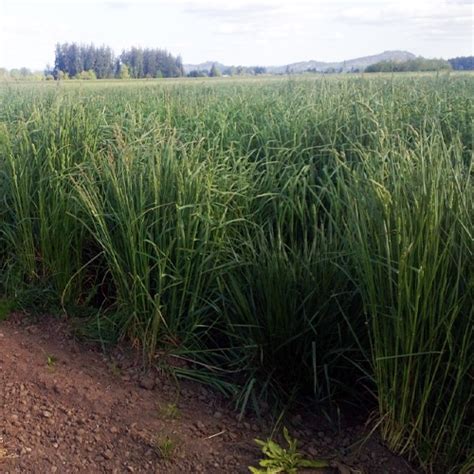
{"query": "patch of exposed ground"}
pixel 68 408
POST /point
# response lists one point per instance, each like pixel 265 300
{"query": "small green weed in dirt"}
pixel 51 360
pixel 169 410
pixel 165 446
pixel 284 460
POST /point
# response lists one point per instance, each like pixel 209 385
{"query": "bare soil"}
pixel 66 407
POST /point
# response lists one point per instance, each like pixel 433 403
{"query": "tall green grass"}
pixel 306 239
pixel 409 230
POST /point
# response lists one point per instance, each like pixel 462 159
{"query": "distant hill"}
pixel 320 66
pixel 348 65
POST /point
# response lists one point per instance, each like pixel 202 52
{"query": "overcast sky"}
pixel 263 32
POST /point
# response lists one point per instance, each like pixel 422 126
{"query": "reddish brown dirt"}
pixel 68 408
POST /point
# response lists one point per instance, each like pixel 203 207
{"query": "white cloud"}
pixel 421 21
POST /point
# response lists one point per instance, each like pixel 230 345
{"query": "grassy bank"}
pixel 293 238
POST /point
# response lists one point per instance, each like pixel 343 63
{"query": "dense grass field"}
pixel 292 239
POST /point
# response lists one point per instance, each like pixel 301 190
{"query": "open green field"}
pixel 306 239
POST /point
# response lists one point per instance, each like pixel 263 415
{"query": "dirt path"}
pixel 65 408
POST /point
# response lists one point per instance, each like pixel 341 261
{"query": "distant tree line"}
pixel 462 63
pixel 91 62
pixel 328 70
pixel 410 65
pixel 20 74
pixel 150 63
pixel 217 71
